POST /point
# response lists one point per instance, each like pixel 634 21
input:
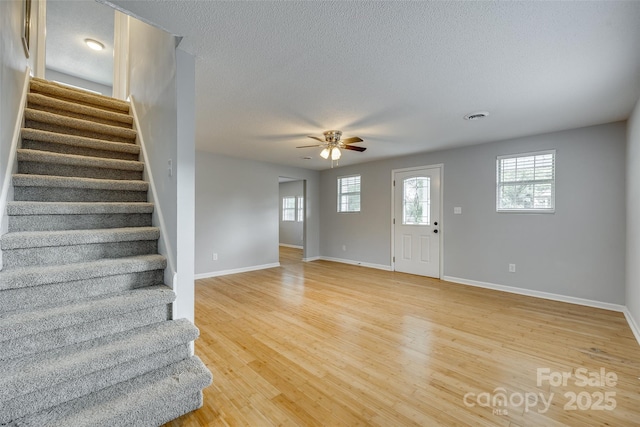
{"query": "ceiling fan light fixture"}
pixel 94 44
pixel 336 154
pixel 324 153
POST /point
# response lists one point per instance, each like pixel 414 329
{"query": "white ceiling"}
pixel 401 75
pixel 69 23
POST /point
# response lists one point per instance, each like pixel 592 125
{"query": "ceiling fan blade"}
pixel 309 146
pixel 352 140
pixel 351 147
pixel 318 138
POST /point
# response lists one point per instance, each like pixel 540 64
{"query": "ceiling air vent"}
pixel 476 116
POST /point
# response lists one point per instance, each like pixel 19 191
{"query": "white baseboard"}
pixel 312 258
pixel 538 294
pixel 632 324
pixel 291 246
pixel 360 263
pixel 235 271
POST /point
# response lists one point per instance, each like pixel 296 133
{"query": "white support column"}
pixel 40 61
pixel 121 56
pixel 184 286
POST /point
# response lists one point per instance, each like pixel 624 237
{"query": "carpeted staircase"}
pixel 85 332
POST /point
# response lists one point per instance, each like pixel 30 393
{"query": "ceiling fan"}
pixel 332 144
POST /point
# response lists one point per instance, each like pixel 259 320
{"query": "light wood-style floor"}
pixel 323 343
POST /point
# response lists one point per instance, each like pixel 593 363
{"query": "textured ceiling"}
pixel 401 75
pixel 68 24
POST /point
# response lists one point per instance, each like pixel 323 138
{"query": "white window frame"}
pixel 552 181
pixel 353 193
pixel 286 211
pixel 300 209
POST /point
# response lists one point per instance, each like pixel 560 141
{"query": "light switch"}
pixel 457 210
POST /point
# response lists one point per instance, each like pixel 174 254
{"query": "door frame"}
pixel 441 213
pixel 304 219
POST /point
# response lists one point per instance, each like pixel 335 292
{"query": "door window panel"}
pixel 416 201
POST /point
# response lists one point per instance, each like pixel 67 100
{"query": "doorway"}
pixel 417 224
pixel 69 59
pixel 292 216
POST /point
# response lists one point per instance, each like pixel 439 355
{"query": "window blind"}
pixel 526 182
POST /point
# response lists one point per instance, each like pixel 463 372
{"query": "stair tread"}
pixel 28 180
pixel 138 401
pixel 60 104
pixel 69 93
pixel 73 123
pixel 78 208
pixel 43 370
pixel 19 323
pixel 61 138
pixel 34 239
pixel 26 155
pixel 46 274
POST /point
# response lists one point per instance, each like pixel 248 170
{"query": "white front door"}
pixel 416 223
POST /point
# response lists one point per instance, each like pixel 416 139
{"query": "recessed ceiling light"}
pixel 476 116
pixel 94 44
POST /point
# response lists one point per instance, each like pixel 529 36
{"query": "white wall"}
pixel 12 75
pixel 579 251
pixel 152 84
pixel 237 213
pixel 633 220
pixel 58 76
pixel 291 232
pixel 162 85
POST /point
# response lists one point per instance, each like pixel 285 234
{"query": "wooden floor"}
pixel 323 343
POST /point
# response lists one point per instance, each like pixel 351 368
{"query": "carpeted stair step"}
pixel 38 162
pixel 26 248
pixel 42 102
pixel 68 189
pixel 35 139
pixel 49 216
pixel 35 382
pixel 36 119
pixel 148 400
pixel 28 331
pixel 38 286
pixel 78 96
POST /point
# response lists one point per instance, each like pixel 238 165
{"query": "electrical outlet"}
pixel 457 210
pixel 215 256
pixel 512 268
pixel 170 167
pixel 344 248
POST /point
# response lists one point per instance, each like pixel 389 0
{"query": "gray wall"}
pixel 291 232
pixel 152 83
pixel 237 212
pixel 579 251
pixel 633 217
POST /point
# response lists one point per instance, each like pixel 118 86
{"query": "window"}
pixel 349 193
pixel 293 208
pixel 288 208
pixel 300 216
pixel 526 182
pixel 416 201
